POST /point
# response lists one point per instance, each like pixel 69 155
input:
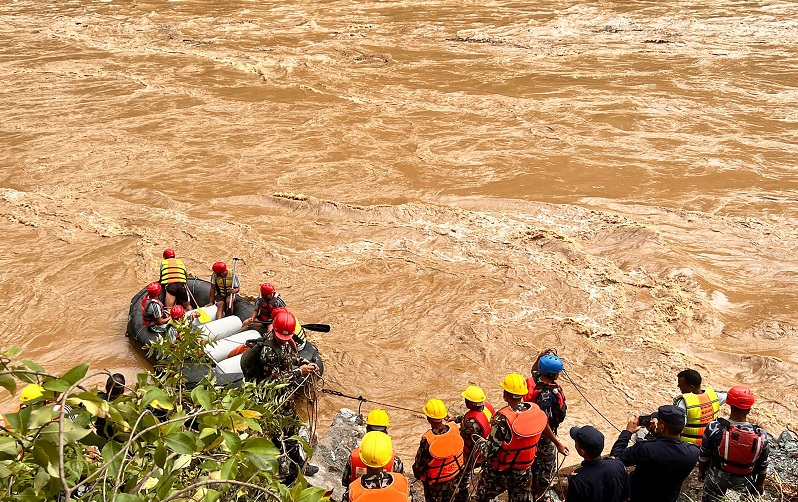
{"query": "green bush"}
pixel 168 442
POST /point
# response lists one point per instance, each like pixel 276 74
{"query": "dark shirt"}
pixel 711 441
pixel 598 481
pixel 661 466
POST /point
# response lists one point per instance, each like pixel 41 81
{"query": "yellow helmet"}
pixel 376 449
pixel 474 394
pixel 515 384
pixel 378 418
pixel 435 409
pixel 30 392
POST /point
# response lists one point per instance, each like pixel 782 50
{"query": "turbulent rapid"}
pixel 451 186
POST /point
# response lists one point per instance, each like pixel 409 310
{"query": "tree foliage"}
pixel 163 441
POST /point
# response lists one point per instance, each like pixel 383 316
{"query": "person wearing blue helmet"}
pixel 548 395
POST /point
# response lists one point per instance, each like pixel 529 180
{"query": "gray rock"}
pixel 332 452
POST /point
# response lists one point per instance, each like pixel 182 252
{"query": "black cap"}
pixel 670 414
pixel 590 438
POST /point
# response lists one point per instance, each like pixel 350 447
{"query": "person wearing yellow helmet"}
pixel 377 420
pixel 512 443
pixel 439 460
pixel 377 485
pixel 474 423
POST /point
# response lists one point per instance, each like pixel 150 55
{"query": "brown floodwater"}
pixel 453 186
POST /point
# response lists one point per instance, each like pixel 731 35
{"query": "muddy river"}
pixel 452 185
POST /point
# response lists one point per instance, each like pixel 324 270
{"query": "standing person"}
pixel 662 464
pixel 734 452
pixel 173 280
pixel 475 423
pixel 701 405
pixel 265 306
pixel 550 398
pixel 377 420
pixel 153 312
pixel 595 480
pixel 376 485
pixel 274 358
pixel 439 460
pixel 224 284
pixel 512 443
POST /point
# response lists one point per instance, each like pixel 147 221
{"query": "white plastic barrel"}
pixel 219 349
pixel 229 369
pixel 221 328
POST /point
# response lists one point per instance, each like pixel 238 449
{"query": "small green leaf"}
pixel 72 432
pixel 160 455
pixel 180 442
pixel 207 431
pixel 41 416
pixel 14 351
pixel 232 440
pixel 312 494
pixel 128 497
pixel 33 366
pixel 9 383
pixel 211 495
pixel 41 479
pixel 165 485
pixel 75 374
pixel 201 397
pixel 230 468
pixel 58 385
pixel 155 393
pixel 110 449
pixel 260 445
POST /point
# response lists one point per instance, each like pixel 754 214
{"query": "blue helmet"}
pixel 550 364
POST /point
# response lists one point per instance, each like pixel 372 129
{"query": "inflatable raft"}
pixel 224 335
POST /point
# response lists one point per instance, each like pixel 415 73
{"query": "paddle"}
pixel 232 285
pixel 320 328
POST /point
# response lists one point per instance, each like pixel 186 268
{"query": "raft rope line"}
pixel 567 376
pixel 364 400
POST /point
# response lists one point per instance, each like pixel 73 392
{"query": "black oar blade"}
pixel 321 328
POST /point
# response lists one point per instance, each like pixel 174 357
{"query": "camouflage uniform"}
pixel 493 482
pixel 716 482
pixel 546 457
pixel 433 492
pixel 544 466
pixel 468 428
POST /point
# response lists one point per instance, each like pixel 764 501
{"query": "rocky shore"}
pixel 332 451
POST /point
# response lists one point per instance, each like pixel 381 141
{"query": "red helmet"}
pixel 741 397
pixel 220 268
pixel 284 325
pixel 168 253
pixel 177 312
pixel 153 289
pixel 266 289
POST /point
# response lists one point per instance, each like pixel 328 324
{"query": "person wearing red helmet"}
pixel 274 358
pixel 179 319
pixel 265 307
pixel 224 285
pixel 734 452
pixel 173 280
pixel 153 312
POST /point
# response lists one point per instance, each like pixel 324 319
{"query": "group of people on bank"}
pixel 516 448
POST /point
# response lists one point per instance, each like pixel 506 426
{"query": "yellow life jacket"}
pixel 224 283
pixel 173 270
pixel 701 410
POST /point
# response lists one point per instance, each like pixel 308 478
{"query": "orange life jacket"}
pixel 526 427
pixel 397 491
pixel 359 468
pixel 447 455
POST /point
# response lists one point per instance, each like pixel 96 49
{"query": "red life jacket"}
pixel 359 468
pixel 447 455
pixel 552 402
pixel 483 419
pixel 739 449
pixel 398 491
pixel 267 307
pixel 146 317
pixel 526 427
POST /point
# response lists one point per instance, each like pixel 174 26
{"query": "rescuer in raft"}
pixel 701 405
pixel 265 306
pixel 173 280
pixel 153 312
pixel 512 443
pixel 550 398
pixel 475 423
pixel 377 420
pixel 224 286
pixel 734 452
pixel 439 460
pixel 376 485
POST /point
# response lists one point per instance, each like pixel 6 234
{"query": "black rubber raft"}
pixel 142 337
